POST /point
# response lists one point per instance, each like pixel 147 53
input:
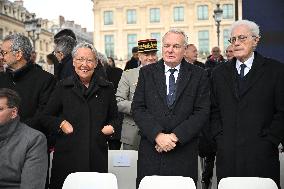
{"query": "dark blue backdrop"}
pixel 269 15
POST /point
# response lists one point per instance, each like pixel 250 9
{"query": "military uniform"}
pixel 124 97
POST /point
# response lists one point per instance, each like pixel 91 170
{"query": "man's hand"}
pixel 108 130
pixel 66 127
pixel 166 142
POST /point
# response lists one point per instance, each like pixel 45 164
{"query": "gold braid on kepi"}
pixel 147 45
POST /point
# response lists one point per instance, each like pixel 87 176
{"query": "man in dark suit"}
pixel 133 62
pixel 191 55
pixel 248 109
pixel 170 107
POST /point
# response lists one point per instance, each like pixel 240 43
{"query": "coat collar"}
pixel 231 75
pixel 16 74
pixel 8 128
pixel 98 82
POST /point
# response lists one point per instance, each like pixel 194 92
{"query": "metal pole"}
pixel 236 10
pixel 218 32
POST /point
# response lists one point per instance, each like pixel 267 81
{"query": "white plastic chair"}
pixel 247 183
pixel 90 180
pixel 167 182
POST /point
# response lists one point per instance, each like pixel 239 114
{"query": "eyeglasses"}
pixel 176 46
pixel 83 59
pixel 240 38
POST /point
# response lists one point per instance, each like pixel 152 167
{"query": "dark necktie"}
pixel 242 72
pixel 172 88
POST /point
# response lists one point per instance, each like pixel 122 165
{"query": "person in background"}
pixel 65 32
pixel 113 75
pixel 147 53
pixel 62 50
pixel 51 61
pixel 2 67
pixel 229 53
pixel 191 55
pixel 133 62
pixel 214 60
pixel 23 150
pixel 247 116
pixel 33 59
pixel 84 103
pixel 170 106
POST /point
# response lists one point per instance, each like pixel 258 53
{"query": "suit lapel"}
pixel 255 73
pixel 183 78
pixel 160 80
pixel 231 77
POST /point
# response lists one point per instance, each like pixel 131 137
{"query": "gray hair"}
pixel 103 59
pixel 64 44
pixel 21 43
pixel 253 27
pixel 87 46
pixel 177 31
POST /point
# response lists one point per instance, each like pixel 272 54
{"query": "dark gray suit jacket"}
pixel 185 118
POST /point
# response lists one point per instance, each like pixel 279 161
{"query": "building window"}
pixel 154 15
pixel 131 16
pixel 203 42
pixel 178 14
pixel 109 45
pixel 108 17
pixel 1 34
pixel 226 37
pixel 131 42
pixel 202 12
pixel 157 36
pixel 228 12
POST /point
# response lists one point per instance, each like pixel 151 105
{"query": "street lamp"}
pixel 218 12
pixel 33 27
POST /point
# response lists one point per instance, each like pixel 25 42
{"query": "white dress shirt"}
pixel 168 73
pixel 248 64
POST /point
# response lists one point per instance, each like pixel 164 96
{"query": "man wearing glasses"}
pixel 247 117
pixel 33 84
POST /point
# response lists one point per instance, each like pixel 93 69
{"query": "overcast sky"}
pixel 79 11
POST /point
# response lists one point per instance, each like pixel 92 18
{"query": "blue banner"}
pixel 269 15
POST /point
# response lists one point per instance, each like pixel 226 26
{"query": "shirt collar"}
pixel 248 62
pixel 167 68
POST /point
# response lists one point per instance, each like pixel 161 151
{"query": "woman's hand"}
pixel 66 127
pixel 108 130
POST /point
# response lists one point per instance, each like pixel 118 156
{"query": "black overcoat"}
pixel 34 87
pixel 248 126
pixel 185 118
pixel 85 150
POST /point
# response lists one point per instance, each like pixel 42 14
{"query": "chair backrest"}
pixel 123 164
pixel 90 180
pixel 167 182
pixel 246 183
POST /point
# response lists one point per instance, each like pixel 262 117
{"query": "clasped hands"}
pixel 165 142
pixel 67 128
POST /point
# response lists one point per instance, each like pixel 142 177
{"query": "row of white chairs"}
pixel 93 180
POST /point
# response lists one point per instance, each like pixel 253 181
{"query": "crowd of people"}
pixel 171 110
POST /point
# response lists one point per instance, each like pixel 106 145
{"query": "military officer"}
pixel 147 53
